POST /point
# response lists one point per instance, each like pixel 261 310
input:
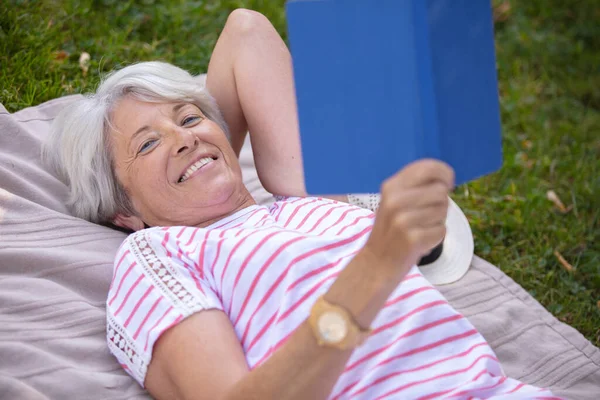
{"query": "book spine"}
pixel 428 144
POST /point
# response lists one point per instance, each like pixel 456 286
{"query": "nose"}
pixel 185 141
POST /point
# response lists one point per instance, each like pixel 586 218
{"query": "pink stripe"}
pixel 307 216
pixel 181 232
pixel 192 236
pixel 355 222
pixel 519 386
pixel 201 256
pixel 407 295
pixel 242 268
pixel 327 214
pixel 232 252
pixel 307 295
pixel 434 378
pixel 405 371
pixel 410 333
pixel 264 358
pixel 296 211
pixel 191 270
pixel 549 398
pixel 260 274
pixel 262 332
pixel 481 389
pixel 273 349
pixel 136 334
pixel 140 301
pixel 285 204
pixel 408 315
pixel 139 279
pixel 155 325
pixel 340 219
pixel 411 276
pixel 296 260
pixel 164 243
pixel 197 280
pixel 317 271
pixel 263 221
pixel 120 262
pixel 448 391
pixel 219 243
pixel 121 282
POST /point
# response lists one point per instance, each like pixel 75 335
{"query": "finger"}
pixel 430 237
pixel 423 217
pixel 425 196
pixel 425 171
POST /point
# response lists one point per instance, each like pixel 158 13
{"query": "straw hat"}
pixel 456 251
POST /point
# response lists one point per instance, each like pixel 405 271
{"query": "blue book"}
pixel 382 83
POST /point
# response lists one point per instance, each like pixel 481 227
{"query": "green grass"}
pixel 549 73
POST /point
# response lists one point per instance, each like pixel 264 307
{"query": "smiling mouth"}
pixel 195 167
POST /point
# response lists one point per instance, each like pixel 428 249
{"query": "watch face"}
pixel 332 327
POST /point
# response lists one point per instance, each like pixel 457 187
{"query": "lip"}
pixel 196 159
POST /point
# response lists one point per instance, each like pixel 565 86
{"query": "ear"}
pixel 129 222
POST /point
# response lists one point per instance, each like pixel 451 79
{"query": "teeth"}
pixel 195 167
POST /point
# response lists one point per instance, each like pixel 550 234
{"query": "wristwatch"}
pixel 333 326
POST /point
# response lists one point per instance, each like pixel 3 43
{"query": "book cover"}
pixel 382 83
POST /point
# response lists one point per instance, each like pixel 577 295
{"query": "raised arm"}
pixel 201 358
pixel 250 76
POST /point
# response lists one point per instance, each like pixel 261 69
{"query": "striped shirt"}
pixel 265 267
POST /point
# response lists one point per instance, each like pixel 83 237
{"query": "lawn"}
pixel 548 55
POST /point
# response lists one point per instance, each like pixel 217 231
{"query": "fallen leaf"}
pixel 553 197
pixel 502 12
pixel 598 304
pixel 84 62
pixel 565 264
pixel 60 55
pixel 527 144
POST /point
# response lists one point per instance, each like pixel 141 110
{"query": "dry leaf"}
pixel 60 55
pixel 598 304
pixel 502 12
pixel 565 264
pixel 84 62
pixel 553 197
pixel 527 144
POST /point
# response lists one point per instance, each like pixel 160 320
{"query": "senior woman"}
pixel 216 297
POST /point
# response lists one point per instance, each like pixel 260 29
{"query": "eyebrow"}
pixel 176 108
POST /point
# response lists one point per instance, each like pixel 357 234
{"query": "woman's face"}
pixel 176 165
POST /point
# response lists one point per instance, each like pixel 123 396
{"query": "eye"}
pixel 191 119
pixel 148 144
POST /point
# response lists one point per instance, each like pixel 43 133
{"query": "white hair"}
pixel 78 149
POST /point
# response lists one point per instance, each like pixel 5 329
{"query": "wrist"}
pixel 386 268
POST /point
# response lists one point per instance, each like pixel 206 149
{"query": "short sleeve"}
pixel 151 291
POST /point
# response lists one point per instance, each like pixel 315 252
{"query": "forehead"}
pixel 129 113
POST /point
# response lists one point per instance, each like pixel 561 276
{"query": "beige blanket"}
pixel 55 271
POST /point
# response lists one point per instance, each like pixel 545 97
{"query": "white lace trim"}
pixel 173 287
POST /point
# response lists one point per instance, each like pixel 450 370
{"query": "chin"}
pixel 225 193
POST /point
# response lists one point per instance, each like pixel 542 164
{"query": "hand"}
pixel 412 214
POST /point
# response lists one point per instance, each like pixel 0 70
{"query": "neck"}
pixel 244 201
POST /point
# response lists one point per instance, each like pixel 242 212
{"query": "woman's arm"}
pixel 201 358
pixel 250 76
